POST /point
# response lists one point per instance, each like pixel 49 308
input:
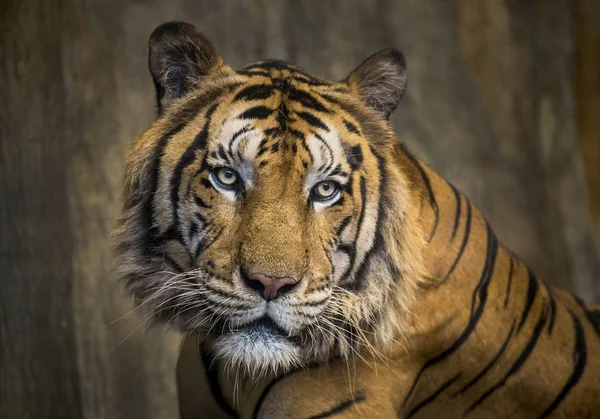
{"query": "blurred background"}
pixel 503 100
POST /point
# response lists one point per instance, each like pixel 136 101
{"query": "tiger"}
pixel 317 268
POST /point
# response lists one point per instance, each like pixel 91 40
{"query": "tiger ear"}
pixel 380 81
pixel 178 57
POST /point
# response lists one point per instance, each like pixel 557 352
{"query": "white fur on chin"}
pixel 257 351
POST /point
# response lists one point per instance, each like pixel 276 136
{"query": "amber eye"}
pixel 226 178
pixel 324 191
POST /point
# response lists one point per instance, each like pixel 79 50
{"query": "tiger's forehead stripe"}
pixel 275 100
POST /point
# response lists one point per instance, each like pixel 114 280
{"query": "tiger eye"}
pixel 325 190
pixel 227 176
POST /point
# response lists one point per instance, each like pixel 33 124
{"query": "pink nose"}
pixel 270 287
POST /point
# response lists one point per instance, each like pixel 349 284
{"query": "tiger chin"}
pixel 275 219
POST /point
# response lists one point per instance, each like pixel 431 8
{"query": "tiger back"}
pixel 318 268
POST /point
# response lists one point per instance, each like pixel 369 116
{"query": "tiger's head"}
pixel 265 209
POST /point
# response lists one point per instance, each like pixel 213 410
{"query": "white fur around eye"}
pixel 320 205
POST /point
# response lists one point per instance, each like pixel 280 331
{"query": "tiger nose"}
pixel 269 287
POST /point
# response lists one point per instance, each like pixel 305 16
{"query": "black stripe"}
pixel 297 73
pixel 490 364
pixel 312 81
pixel 421 200
pixel 184 116
pixel 203 246
pixel 463 245
pixel 223 154
pixel 253 73
pixel 354 156
pixel 510 277
pixel 328 255
pixel 532 290
pixel 332 99
pixel 187 159
pixel 211 368
pixel 200 202
pixel 206 183
pixel 351 127
pixel 329 150
pixel 254 92
pixel 272 132
pixel 314 303
pixel 200 218
pixel 436 393
pixel 340 407
pixel 170 234
pixel 257 112
pixel 349 250
pixel 312 120
pixel 361 216
pixel 378 241
pixel 427 182
pixel 262 147
pixel 480 293
pixel 524 355
pixel 593 316
pixel 338 171
pixel 204 166
pixel 299 135
pixel 237 135
pixel 306 100
pixel 229 300
pixel 264 394
pixel 579 362
pixel 552 314
pixel 193 230
pixel 170 261
pixel 552 304
pixel 457 213
pixel 269 65
pixel 151 235
pixel 340 228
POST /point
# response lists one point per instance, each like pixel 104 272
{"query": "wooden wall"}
pixel 502 95
pixel 586 83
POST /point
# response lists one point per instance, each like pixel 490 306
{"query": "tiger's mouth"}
pixel 266 324
pixel 263 328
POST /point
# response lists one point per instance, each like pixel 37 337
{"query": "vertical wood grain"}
pixel 586 80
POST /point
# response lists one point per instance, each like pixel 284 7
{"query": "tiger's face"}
pixel 255 207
